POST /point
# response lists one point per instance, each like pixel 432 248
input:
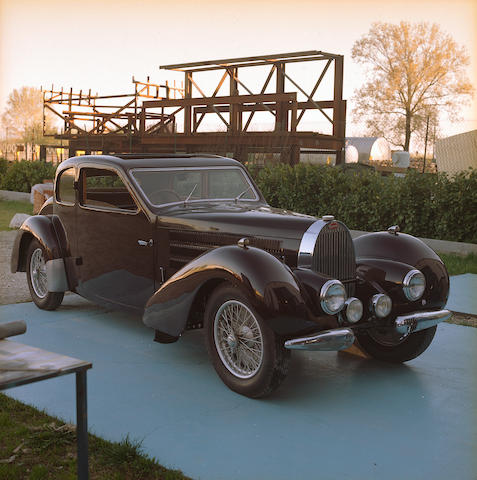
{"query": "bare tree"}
pixel 414 70
pixel 23 116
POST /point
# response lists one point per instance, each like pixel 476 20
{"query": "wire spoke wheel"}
pixel 238 339
pixel 37 278
pixel 38 273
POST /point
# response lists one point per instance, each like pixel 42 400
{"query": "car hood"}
pixel 240 218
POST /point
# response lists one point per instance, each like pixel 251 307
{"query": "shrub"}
pixel 20 176
pixel 425 205
pixel 3 168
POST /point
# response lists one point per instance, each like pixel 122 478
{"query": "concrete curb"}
pixel 440 246
pixel 18 196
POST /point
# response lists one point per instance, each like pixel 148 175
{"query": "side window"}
pixel 104 188
pixel 65 191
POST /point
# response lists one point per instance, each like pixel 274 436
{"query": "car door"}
pixel 114 242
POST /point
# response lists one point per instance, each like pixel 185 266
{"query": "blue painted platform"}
pixel 463 294
pixel 337 416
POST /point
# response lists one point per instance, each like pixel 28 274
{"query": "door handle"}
pixel 144 243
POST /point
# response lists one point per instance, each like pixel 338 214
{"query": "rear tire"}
pixel 36 277
pixel 245 352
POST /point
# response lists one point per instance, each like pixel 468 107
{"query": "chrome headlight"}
pixel 354 309
pixel 332 297
pixel 413 285
pixel 381 305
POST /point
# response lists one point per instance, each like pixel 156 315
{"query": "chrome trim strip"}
pixel 307 244
pixel 413 322
pixel 336 339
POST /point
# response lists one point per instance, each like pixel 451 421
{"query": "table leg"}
pixel 82 425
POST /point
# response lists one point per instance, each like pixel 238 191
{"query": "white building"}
pixel 457 153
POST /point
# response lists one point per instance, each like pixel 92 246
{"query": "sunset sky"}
pixel 102 44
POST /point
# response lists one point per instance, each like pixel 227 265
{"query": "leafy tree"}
pixel 23 115
pixel 414 70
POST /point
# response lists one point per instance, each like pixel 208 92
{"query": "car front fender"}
pixel 383 258
pixel 269 285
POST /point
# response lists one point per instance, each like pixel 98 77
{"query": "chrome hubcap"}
pixel 238 339
pixel 38 273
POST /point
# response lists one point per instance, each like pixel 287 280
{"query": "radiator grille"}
pixel 334 254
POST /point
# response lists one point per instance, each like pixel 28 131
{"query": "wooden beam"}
pixel 339 110
pixel 277 56
pixel 259 64
pixel 187 102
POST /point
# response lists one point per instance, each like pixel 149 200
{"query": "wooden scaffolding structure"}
pixel 170 118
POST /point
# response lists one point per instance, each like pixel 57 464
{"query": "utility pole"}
pixel 425 145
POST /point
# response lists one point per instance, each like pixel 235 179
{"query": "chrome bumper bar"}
pixel 336 339
pixel 416 321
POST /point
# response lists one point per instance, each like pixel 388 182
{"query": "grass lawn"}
pixel 36 446
pixel 458 264
pixel 8 208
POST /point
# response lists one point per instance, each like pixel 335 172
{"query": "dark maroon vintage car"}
pixel 190 242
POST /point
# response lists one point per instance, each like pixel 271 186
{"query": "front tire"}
pixel 247 355
pixel 36 277
pixel 388 349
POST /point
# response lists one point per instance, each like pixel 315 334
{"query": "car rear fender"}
pixel 268 284
pixel 49 232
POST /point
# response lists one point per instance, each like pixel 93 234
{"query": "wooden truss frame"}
pixel 152 119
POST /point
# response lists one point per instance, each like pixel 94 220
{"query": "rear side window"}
pixel 65 191
pixel 104 188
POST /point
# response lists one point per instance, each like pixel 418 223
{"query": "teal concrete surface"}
pixel 463 293
pixel 337 416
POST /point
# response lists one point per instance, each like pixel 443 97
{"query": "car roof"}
pixel 158 160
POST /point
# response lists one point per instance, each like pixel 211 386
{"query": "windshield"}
pixel 167 186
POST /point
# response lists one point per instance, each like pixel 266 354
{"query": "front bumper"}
pixel 336 339
pixel 342 338
pixel 413 322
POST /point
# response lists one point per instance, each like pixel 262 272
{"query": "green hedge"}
pixel 425 205
pixel 20 176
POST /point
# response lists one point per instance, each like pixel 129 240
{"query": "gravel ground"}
pixel 14 287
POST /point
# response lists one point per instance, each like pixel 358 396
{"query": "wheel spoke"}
pixel 234 324
pixel 37 273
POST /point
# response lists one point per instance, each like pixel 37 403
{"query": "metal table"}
pixel 21 364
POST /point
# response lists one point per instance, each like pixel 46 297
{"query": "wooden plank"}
pixel 263 63
pixel 258 139
pixel 185 102
pixel 260 107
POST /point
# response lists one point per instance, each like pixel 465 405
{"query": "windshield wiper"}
pixel 240 195
pixel 190 194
